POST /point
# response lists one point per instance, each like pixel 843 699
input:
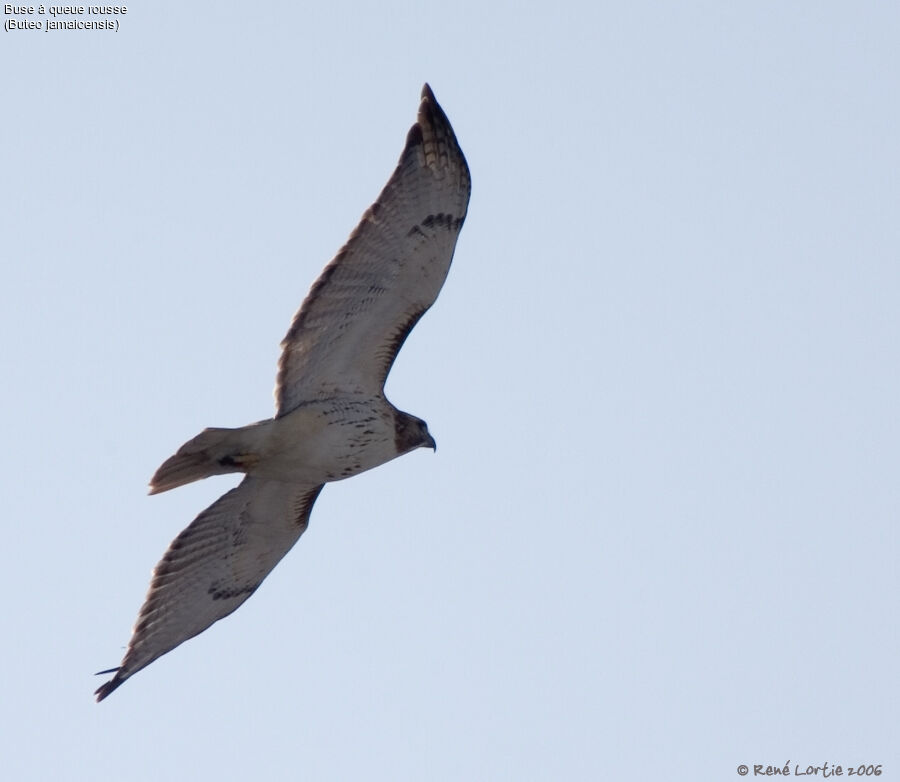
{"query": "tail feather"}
pixel 215 451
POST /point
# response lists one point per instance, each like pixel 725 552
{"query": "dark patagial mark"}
pixel 227 593
pixel 439 220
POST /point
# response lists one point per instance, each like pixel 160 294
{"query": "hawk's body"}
pixel 332 419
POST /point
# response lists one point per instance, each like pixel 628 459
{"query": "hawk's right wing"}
pixel 215 565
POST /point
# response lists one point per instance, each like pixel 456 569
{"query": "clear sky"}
pixel 659 535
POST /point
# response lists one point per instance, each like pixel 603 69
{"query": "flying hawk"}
pixel 332 419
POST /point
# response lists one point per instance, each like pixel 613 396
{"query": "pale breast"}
pixel 328 440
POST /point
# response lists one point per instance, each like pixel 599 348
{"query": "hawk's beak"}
pixel 430 443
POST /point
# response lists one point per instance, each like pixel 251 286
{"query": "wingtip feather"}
pixel 108 687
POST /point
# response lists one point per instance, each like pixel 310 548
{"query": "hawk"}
pixel 332 419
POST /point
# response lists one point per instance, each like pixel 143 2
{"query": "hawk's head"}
pixel 411 433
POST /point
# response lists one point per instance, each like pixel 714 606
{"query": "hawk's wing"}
pixel 358 313
pixel 215 565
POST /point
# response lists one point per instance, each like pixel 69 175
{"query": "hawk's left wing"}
pixel 346 335
pixel 215 565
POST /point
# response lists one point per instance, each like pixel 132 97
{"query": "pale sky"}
pixel 658 538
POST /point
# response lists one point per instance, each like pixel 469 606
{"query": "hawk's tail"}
pixel 214 451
